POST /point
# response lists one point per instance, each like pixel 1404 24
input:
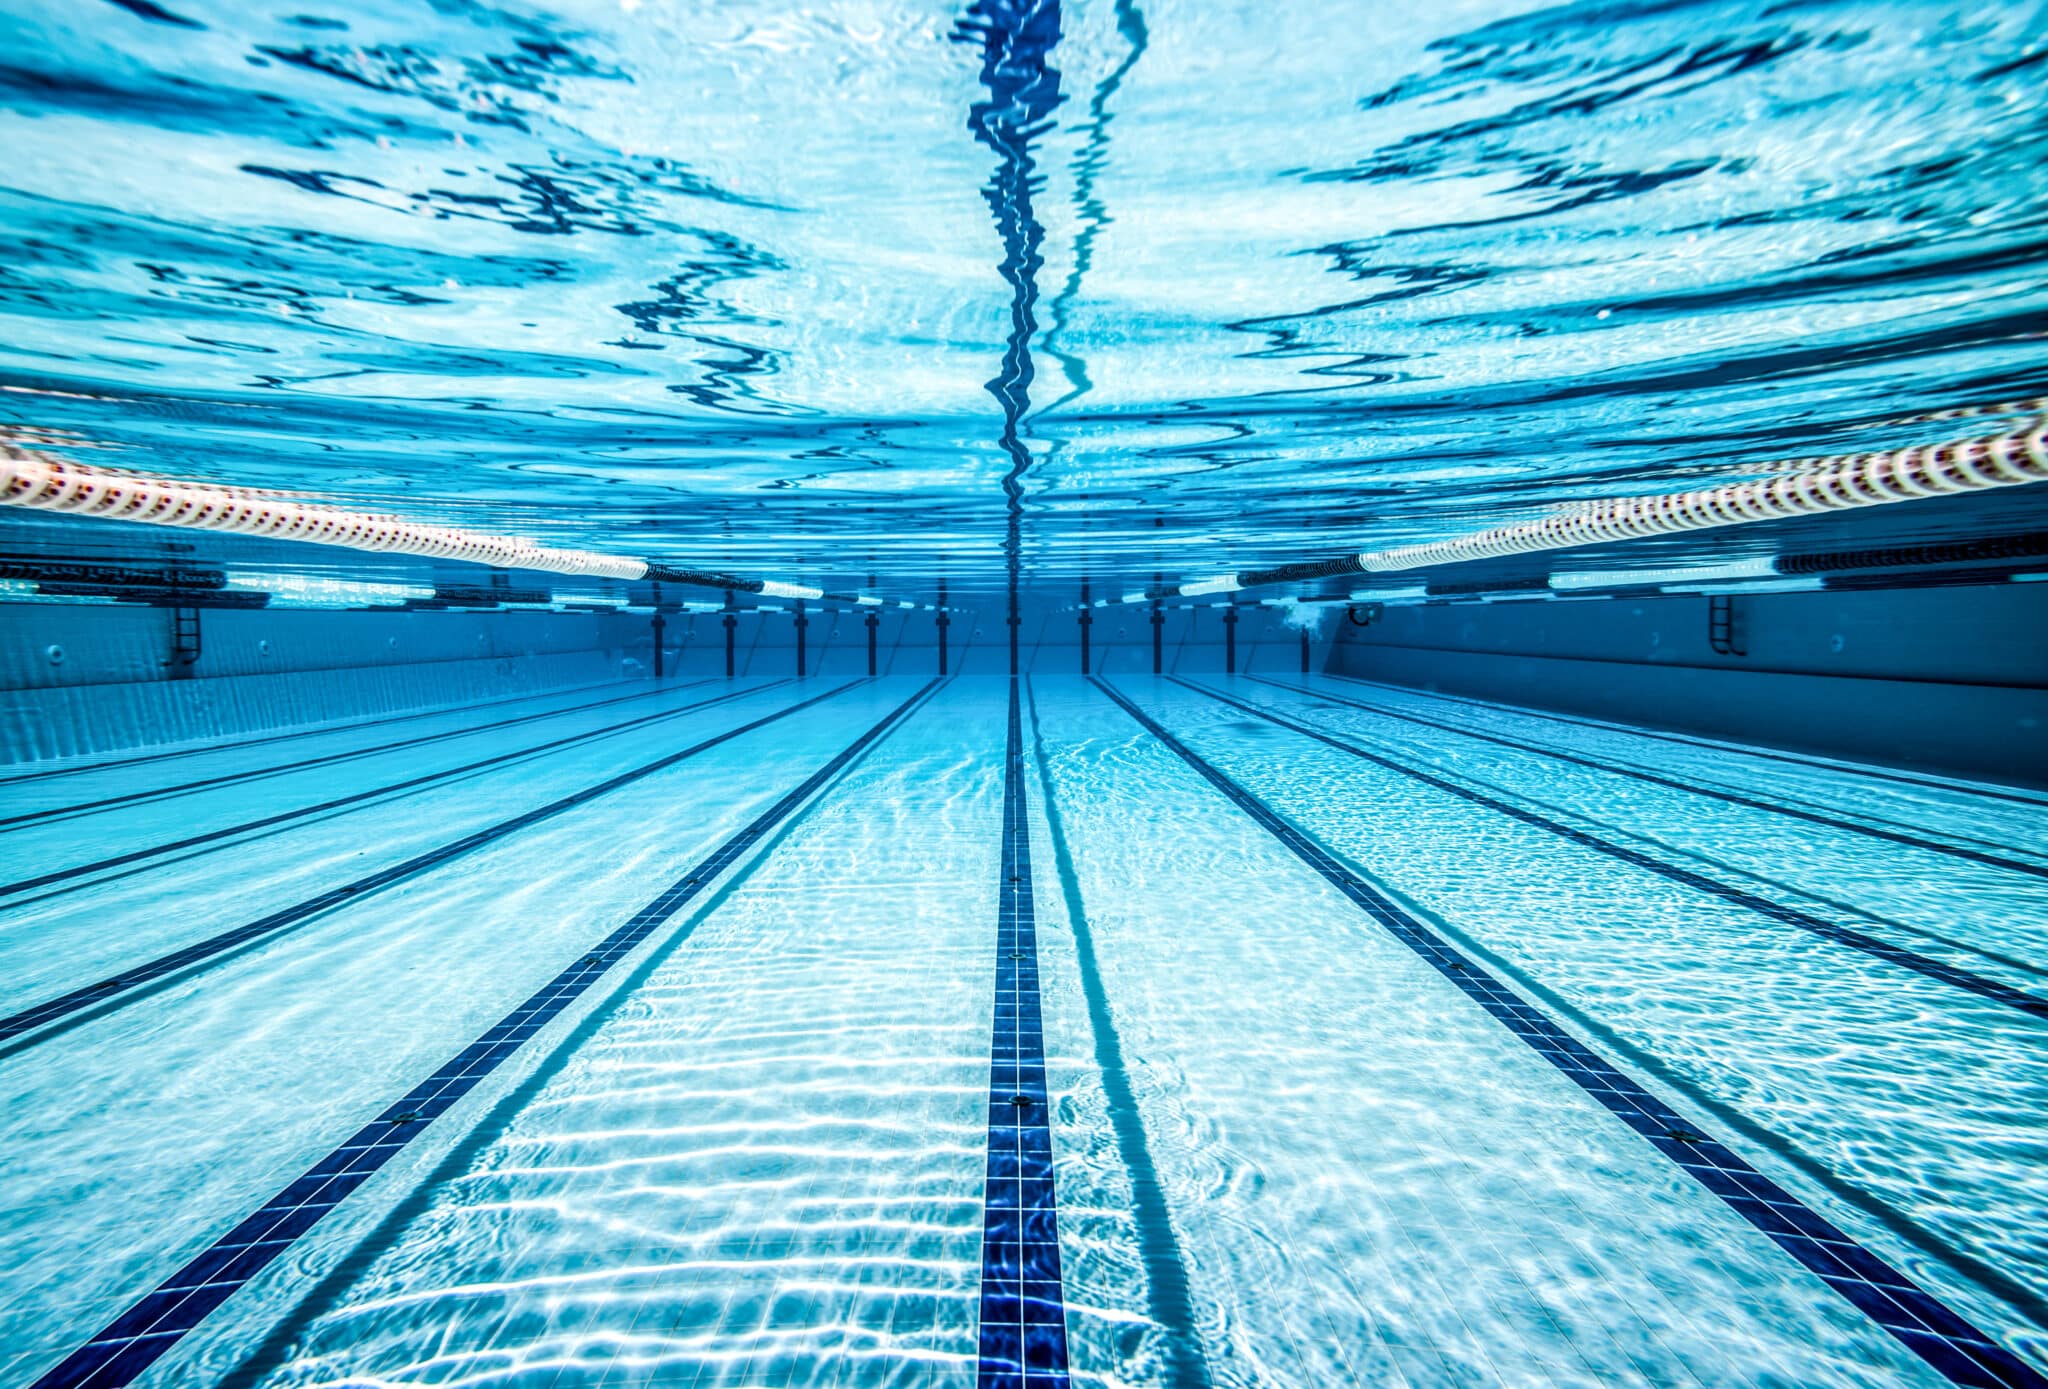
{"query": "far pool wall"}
pixel 1192 641
pixel 1949 680
pixel 83 678
pixel 78 679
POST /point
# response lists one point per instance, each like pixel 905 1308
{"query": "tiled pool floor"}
pixel 1225 1031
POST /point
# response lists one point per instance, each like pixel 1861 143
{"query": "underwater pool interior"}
pixel 1028 753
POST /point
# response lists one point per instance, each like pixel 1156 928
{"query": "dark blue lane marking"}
pixel 1894 836
pixel 339 802
pixel 134 1340
pixel 1918 1320
pixel 65 812
pixel 1023 1312
pixel 1981 985
pixel 2003 793
pixel 1167 1298
pixel 43 1014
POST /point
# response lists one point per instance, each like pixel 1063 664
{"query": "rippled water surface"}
pixel 1162 284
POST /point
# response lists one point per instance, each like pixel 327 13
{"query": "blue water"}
pixel 907 289
pixel 433 998
pixel 1287 1151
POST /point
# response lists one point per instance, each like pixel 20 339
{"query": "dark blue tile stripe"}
pixel 228 778
pixel 135 1339
pixel 1023 1310
pixel 43 1014
pixel 1981 985
pixel 1918 1320
pixel 1168 1299
pixel 341 802
pixel 1690 787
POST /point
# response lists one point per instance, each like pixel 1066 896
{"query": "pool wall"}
pixel 78 679
pixel 1951 679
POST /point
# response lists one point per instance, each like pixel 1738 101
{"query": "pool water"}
pixel 407 979
pixel 924 291
pixel 1271 1132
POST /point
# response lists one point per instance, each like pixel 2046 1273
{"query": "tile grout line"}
pixel 160 1319
pixel 1022 1328
pixel 1169 1300
pixel 1915 1318
pixel 1988 859
pixel 1991 790
pixel 79 808
pixel 426 779
pixel 15 1027
pixel 260 739
pixel 1774 889
pixel 1996 990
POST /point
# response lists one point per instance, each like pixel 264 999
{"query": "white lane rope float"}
pixel 35 480
pixel 1796 487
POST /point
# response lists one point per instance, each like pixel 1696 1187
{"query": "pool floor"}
pixel 1221 1031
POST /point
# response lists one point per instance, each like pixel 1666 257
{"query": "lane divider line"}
pixel 66 812
pixel 340 802
pixel 1991 860
pixel 1167 1298
pixel 1968 980
pixel 1023 1327
pixel 1774 886
pixel 14 1027
pixel 159 1320
pixel 1915 1318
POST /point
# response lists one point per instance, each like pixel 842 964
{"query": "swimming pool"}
pixel 1023 693
pixel 779 1034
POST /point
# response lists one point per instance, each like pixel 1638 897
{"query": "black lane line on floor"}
pixel 1915 1318
pixel 134 1340
pixel 1167 1298
pixel 1023 1337
pixel 1767 884
pixel 66 812
pixel 261 739
pixel 43 1014
pixel 1694 788
pixel 1867 769
pixel 339 802
pixel 342 1267
pixel 1984 987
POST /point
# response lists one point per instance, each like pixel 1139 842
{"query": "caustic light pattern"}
pixel 1033 1031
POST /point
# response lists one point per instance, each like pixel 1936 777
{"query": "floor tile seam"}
pixel 245 833
pixel 369 722
pixel 264 773
pixel 12 1027
pixel 1891 834
pixel 1992 791
pixel 1654 841
pixel 778 811
pixel 1983 986
pixel 2013 1369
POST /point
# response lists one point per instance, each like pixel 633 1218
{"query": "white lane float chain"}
pixel 1796 487
pixel 30 479
pixel 40 481
pixel 1807 487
